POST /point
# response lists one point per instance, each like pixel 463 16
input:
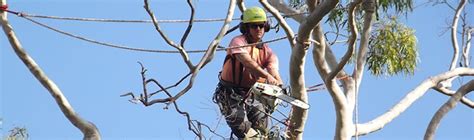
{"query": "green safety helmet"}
pixel 254 14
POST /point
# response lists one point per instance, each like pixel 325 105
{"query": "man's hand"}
pixel 272 80
pixel 271 76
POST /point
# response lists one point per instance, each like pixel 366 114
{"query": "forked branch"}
pixel 193 125
pixel 180 48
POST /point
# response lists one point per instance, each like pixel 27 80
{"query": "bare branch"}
pixel 144 83
pixel 194 127
pixel 448 92
pixel 191 125
pixel 181 50
pixel 369 7
pixel 88 129
pixel 454 39
pixel 314 18
pixel 204 60
pixel 323 57
pixel 213 131
pixel 337 34
pixel 190 24
pixel 241 5
pixel 352 40
pixel 379 122
pixel 157 26
pixel 133 100
pixel 443 110
pixel 467 47
pixel 281 21
pixel 172 86
pixel 284 8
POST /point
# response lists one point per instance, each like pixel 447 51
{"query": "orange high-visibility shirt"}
pixel 264 57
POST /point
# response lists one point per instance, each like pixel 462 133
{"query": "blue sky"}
pixel 92 77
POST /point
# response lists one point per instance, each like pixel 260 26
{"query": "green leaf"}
pixel 400 6
pixel 392 49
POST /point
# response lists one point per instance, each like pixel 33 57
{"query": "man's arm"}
pixel 255 69
pixel 276 74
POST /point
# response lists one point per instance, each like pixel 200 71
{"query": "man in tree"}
pixel 243 66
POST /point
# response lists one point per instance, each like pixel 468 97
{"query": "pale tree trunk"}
pixel 298 54
pixel 343 104
pixel 88 129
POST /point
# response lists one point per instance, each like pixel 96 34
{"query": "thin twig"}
pixel 190 23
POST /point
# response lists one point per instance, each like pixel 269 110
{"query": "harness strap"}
pixel 242 68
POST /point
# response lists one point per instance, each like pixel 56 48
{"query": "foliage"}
pixel 400 6
pixel 337 16
pixel 392 49
pixel 18 133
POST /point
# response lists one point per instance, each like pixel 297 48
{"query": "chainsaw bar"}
pixel 278 92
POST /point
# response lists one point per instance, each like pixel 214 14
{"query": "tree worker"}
pixel 243 66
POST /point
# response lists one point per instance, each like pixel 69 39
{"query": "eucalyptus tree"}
pixel 385 46
pixel 376 41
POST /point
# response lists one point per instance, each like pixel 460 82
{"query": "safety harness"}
pixel 235 63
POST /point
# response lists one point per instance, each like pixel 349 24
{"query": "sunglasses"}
pixel 254 26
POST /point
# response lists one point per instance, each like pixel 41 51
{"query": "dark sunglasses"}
pixel 254 26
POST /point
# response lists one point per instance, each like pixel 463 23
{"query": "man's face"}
pixel 257 30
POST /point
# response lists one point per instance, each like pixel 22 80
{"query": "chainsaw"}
pixel 278 92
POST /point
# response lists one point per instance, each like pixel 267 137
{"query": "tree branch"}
pixel 467 47
pixel 379 122
pixel 172 86
pixel 241 5
pixel 448 92
pixel 281 21
pixel 454 39
pixel 284 8
pixel 322 63
pixel 195 128
pixel 181 50
pixel 352 39
pixel 204 60
pixel 209 55
pixel 443 110
pixel 369 8
pixel 88 129
pixel 157 26
pixel 298 54
pixel 190 23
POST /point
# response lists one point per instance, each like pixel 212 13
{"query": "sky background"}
pixel 93 77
